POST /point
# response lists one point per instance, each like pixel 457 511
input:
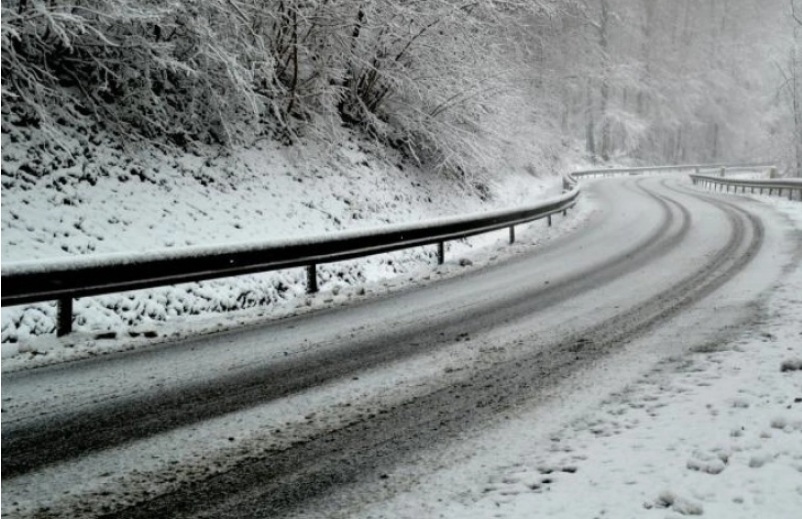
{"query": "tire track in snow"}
pixel 286 479
pixel 30 446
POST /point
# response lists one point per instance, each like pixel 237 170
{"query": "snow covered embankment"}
pixel 108 200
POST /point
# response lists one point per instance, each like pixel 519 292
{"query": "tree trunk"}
pixel 796 94
pixel 646 46
pixel 797 102
pixel 590 137
pixel 605 83
pixel 715 142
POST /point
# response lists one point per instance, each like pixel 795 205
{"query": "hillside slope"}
pixel 104 196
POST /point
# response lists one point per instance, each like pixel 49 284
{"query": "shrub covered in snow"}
pixel 418 75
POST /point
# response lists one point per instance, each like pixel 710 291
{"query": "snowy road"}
pixel 315 415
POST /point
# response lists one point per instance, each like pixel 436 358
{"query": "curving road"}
pixel 275 420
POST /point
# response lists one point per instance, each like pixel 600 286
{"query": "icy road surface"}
pixel 330 413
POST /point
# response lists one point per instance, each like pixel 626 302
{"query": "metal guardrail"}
pixel 572 178
pixel 780 186
pixel 659 169
pixel 81 276
pixel 74 277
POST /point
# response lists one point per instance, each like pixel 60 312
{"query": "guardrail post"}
pixel 512 234
pixel 64 317
pixel 311 278
pixel 549 220
pixel 441 253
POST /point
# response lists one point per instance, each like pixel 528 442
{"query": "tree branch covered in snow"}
pixel 415 74
pixel 446 81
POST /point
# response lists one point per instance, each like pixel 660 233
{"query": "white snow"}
pixel 356 190
pixel 105 202
pixel 716 433
pixel 167 254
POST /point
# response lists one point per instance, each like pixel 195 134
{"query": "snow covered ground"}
pixel 714 433
pixel 105 199
pixel 717 432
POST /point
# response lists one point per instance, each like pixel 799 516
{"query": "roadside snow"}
pixel 106 200
pixel 480 252
pixel 664 446
pixel 715 433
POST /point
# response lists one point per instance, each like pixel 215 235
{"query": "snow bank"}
pixel 104 201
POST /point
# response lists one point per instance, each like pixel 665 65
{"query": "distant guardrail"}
pixel 792 187
pixel 64 280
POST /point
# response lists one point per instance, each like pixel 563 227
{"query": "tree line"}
pixel 660 81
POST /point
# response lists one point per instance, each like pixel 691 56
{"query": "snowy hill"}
pixel 104 198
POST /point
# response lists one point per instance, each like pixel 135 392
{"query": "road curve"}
pixel 259 422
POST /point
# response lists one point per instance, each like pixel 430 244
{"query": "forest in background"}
pixel 444 81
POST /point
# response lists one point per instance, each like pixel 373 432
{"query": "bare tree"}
pixel 658 81
pixel 795 80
